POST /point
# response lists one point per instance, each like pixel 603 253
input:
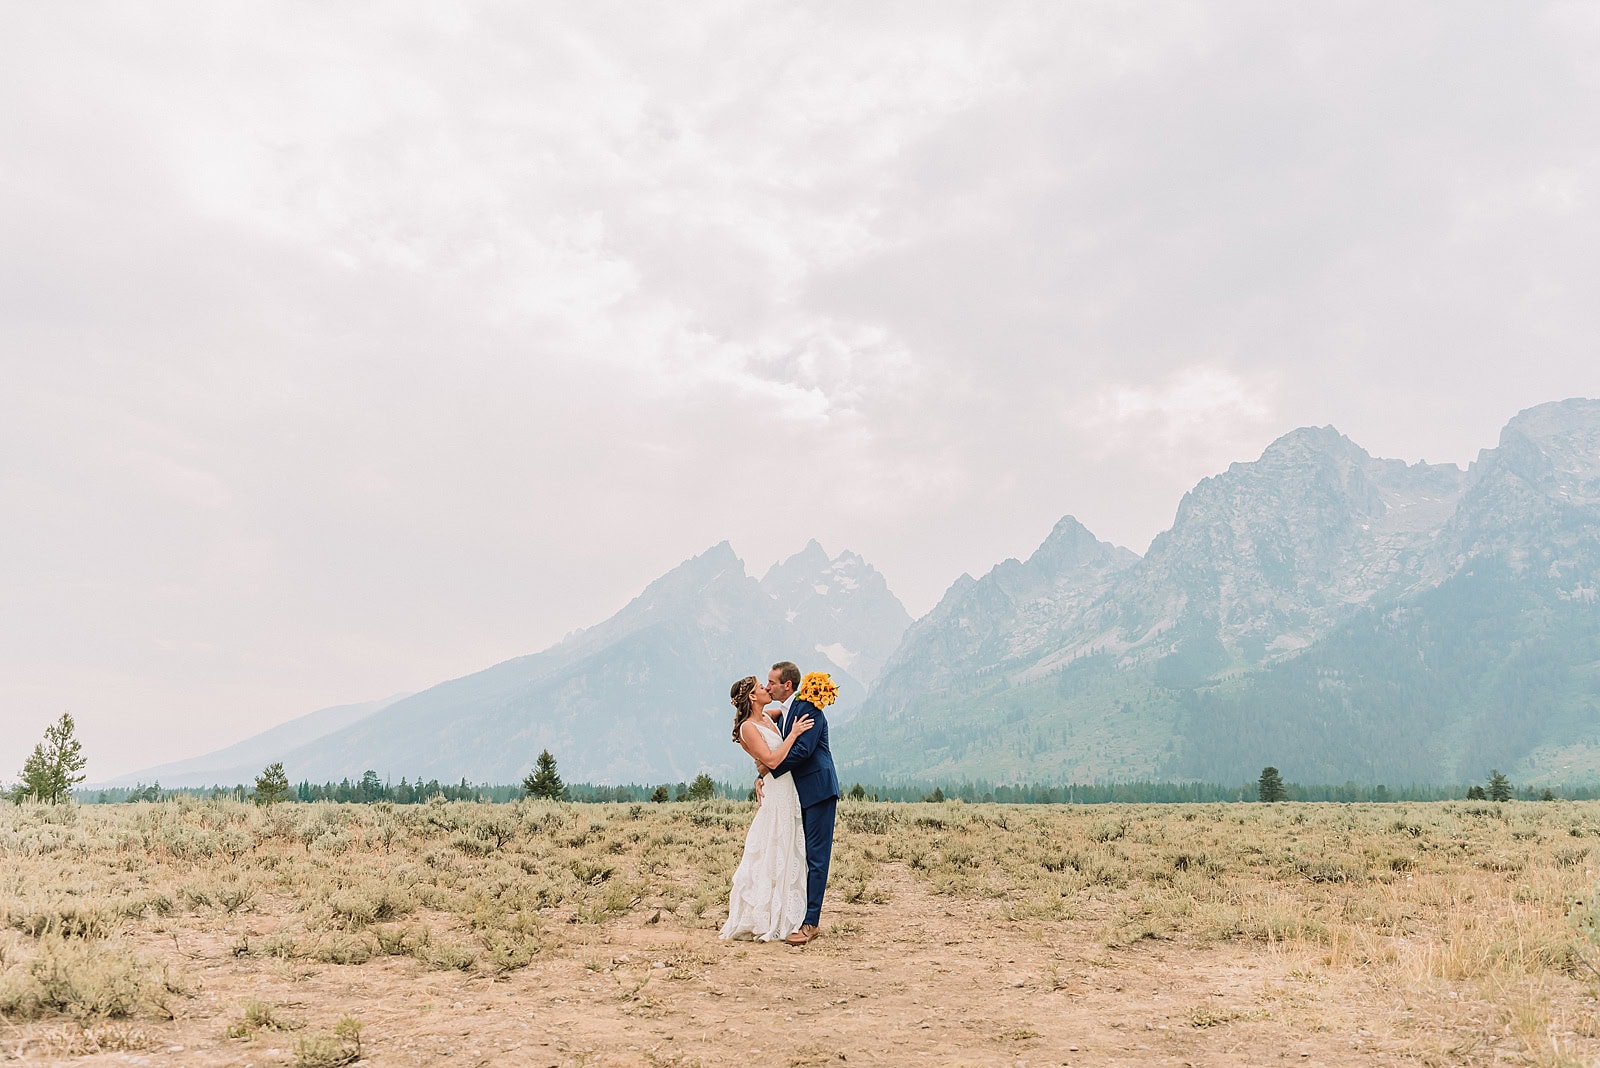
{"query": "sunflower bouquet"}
pixel 819 688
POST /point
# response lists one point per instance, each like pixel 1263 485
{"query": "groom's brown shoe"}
pixel 805 934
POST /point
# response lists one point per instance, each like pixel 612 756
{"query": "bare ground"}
pixel 922 980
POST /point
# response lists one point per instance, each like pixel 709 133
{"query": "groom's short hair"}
pixel 787 673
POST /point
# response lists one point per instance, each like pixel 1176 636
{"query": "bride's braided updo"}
pixel 739 696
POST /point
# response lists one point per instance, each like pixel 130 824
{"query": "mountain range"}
pixel 1340 616
pixel 637 698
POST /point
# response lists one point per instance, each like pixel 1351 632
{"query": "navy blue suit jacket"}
pixel 809 761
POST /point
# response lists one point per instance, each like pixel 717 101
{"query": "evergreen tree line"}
pixel 56 767
pixel 969 792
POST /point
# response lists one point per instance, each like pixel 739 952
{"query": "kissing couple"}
pixel 777 889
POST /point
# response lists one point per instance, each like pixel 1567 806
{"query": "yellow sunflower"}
pixel 819 688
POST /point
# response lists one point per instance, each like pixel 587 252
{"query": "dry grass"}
pixel 1467 918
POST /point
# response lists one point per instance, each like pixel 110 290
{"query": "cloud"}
pixel 1194 407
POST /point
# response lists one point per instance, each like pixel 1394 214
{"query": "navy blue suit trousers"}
pixel 810 761
pixel 818 822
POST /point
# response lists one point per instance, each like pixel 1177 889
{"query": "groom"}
pixel 811 764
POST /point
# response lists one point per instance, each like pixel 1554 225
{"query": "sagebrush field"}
pixel 216 932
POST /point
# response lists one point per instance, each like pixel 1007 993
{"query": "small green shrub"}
pixel 864 820
pixel 84 980
pixel 260 1016
pixel 324 1050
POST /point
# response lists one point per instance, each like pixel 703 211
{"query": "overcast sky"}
pixel 347 348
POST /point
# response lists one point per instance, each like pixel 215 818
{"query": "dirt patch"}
pixel 924 980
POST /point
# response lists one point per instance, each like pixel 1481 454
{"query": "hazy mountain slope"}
pixel 1090 721
pixel 1261 560
pixel 1499 665
pixel 639 697
pixel 956 701
pixel 244 760
pixel 1017 612
pixel 1534 499
pixel 1338 615
pixel 1268 556
pixel 1491 669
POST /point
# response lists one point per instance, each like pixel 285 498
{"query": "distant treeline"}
pixel 1156 793
pixel 369 789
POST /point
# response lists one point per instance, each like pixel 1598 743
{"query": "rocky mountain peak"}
pixel 812 572
pixel 1071 545
pixel 1554 447
pixel 1310 443
pixel 1555 420
pixel 1315 466
pixel 1532 501
pixel 1268 555
pixel 810 560
pixel 843 602
pixel 1013 613
pixel 718 566
pixel 720 557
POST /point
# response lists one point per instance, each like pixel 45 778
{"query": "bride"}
pixel 768 900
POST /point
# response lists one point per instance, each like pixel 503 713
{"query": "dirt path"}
pixel 926 980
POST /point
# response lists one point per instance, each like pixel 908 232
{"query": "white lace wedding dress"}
pixel 768 899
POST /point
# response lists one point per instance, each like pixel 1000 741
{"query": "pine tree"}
pixel 660 795
pixel 1475 793
pixel 370 788
pixel 544 782
pixel 1270 786
pixel 858 792
pixel 1499 786
pixel 55 766
pixel 702 789
pixel 272 785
